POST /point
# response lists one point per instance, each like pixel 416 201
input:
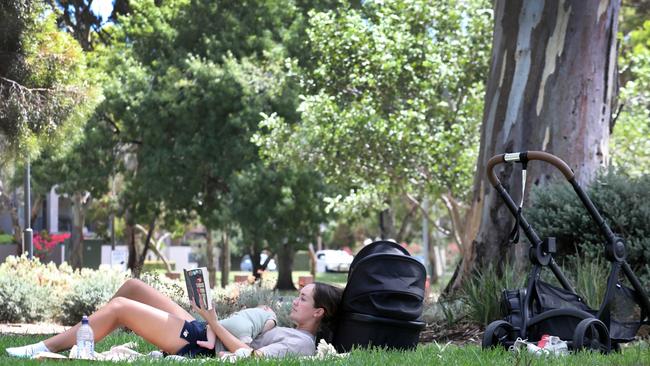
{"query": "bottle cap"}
pixel 84 320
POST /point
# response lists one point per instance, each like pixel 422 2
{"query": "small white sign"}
pixel 119 258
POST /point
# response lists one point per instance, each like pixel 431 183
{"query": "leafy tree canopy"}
pixel 630 144
pixel 393 101
pixel 42 75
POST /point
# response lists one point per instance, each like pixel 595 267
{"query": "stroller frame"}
pixel 593 328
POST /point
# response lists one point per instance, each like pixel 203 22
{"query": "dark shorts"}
pixel 194 331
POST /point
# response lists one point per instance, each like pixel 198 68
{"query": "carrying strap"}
pixel 514 233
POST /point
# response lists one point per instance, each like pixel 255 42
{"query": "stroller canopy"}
pixel 384 280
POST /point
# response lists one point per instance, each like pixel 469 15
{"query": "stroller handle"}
pixel 524 157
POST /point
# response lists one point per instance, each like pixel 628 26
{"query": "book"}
pixel 198 287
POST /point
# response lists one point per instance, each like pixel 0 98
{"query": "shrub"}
pixel 622 201
pixel 239 296
pixel 174 289
pixel 444 311
pixel 154 266
pixel 28 289
pixel 482 294
pixel 91 290
pixel 22 300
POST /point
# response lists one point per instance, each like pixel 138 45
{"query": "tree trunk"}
pixel 9 205
pixel 285 264
pixel 405 228
pixel 129 234
pixel 256 266
pixel 225 259
pixel 387 224
pixel 551 87
pixel 209 256
pixel 36 207
pixel 138 267
pixel 76 251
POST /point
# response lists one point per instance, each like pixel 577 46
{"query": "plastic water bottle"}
pixel 85 340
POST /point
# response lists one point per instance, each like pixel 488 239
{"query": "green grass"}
pixel 429 354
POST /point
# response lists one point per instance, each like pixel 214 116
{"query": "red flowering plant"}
pixel 44 242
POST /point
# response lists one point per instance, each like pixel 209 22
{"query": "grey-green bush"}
pixel 88 294
pixel 174 289
pixel 22 300
pixel 250 296
pixel 556 211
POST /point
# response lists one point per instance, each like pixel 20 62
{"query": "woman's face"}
pixel 302 307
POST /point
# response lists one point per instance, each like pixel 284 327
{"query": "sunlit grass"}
pixel 425 354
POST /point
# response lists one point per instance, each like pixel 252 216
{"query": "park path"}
pixel 23 328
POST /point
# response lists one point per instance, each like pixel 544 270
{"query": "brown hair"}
pixel 328 298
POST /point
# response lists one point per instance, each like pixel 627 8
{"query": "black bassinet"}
pixel 383 300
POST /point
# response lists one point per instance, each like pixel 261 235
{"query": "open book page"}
pixel 198 287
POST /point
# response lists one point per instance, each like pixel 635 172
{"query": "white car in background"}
pixel 333 261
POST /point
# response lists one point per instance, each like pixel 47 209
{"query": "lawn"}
pixel 429 354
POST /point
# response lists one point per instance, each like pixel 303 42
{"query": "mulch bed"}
pixel 461 333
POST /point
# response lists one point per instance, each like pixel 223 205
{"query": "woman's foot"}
pixel 27 351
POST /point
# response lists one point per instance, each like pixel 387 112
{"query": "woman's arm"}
pixel 230 342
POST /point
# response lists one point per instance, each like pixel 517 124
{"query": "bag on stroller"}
pixel 383 300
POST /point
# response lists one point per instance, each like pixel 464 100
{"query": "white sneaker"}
pixel 27 351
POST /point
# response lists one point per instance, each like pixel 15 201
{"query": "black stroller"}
pixel 383 299
pixel 541 308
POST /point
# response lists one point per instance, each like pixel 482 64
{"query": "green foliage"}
pixel 277 205
pixel 630 146
pixel 622 201
pixel 589 277
pixel 482 295
pixel 42 78
pixel 6 239
pixel 155 266
pixel 394 98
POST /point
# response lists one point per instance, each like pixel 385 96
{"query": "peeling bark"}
pixel 551 87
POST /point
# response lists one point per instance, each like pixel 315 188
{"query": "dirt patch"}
pixel 460 333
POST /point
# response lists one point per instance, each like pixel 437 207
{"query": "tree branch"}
pixel 426 214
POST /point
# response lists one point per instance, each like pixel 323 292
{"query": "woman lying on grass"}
pixel 165 324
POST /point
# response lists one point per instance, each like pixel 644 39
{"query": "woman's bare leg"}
pixel 156 326
pixel 141 292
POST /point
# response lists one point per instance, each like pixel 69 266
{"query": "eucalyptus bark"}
pixel 551 87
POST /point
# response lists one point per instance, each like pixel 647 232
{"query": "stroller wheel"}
pixel 592 334
pixel 497 333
